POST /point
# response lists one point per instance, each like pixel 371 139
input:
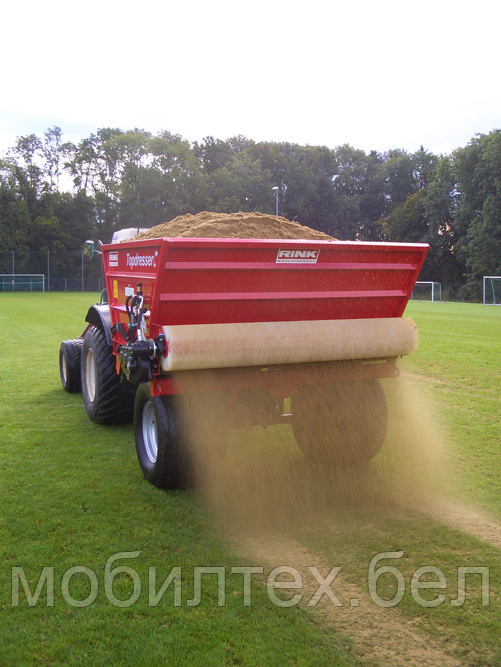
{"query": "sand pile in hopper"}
pixel 210 225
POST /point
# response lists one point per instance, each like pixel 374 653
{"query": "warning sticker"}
pixel 115 289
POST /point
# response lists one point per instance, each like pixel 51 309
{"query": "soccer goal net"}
pixel 492 290
pixel 22 282
pixel 425 290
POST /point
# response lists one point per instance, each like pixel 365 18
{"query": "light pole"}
pixel 276 192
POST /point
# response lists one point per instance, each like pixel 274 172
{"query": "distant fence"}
pixel 63 271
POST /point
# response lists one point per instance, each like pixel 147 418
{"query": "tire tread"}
pixel 72 351
pixel 113 403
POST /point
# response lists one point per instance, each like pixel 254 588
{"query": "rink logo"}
pixel 297 256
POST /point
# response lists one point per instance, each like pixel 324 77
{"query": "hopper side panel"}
pixel 197 281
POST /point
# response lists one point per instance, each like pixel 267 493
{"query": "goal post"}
pixel 427 290
pixel 22 282
pixel 492 291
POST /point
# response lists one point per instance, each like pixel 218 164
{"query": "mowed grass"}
pixel 458 362
pixel 72 495
pixel 456 373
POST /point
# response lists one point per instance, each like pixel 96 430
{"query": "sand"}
pixel 233 225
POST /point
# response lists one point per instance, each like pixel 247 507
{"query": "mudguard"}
pixel 99 316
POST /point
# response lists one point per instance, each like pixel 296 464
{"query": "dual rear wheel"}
pixel 70 354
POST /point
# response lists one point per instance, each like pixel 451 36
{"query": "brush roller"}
pixel 203 346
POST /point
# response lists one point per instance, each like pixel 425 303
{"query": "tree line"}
pixel 55 194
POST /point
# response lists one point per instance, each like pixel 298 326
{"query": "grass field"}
pixel 72 496
pixel 459 361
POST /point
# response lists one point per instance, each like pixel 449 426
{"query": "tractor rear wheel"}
pixel 70 354
pixel 106 400
pixel 160 439
pixel 340 424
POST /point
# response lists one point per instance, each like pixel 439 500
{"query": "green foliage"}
pixel 478 174
pixel 406 221
pixel 15 219
pixel 440 203
pixel 133 178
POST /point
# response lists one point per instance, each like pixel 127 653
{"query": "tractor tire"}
pixel 160 438
pixel 106 400
pixel 70 354
pixel 340 424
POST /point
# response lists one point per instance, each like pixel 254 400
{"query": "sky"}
pixel 377 74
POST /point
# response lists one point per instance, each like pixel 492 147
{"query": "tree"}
pixel 440 205
pixel 14 213
pixel 26 158
pixel 373 202
pixel 407 222
pixel 484 240
pixel 425 165
pixel 52 152
pixel 400 177
pixel 477 168
pixel 214 154
pixel 170 183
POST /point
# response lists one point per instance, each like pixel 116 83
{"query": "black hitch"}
pixel 138 360
pixel 135 360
